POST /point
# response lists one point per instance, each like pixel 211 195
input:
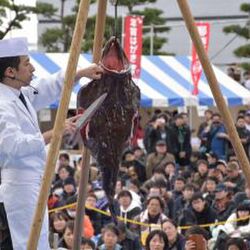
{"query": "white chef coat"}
pixel 23 156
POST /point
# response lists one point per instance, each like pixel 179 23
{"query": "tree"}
pixel 57 39
pixel 242 51
pixel 20 14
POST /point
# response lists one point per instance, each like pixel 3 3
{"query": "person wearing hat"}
pixel 158 158
pixel 22 151
pixel 234 180
pixel 223 203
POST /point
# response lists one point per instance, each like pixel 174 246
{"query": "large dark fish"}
pixel 110 128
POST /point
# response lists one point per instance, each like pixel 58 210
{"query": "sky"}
pixel 29 29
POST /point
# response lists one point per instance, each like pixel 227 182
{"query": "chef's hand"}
pixel 70 125
pixel 93 71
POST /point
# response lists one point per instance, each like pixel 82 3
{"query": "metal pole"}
pixel 59 124
pixel 213 83
pixel 151 39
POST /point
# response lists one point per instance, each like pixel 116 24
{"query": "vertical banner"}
pixel 196 68
pixel 133 43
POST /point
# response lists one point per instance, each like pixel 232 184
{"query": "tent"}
pixel 165 81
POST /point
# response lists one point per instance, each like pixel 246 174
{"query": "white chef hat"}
pixel 14 47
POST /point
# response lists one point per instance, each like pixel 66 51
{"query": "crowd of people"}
pixel 168 196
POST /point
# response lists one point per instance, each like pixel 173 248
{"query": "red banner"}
pixel 196 68
pixel 133 43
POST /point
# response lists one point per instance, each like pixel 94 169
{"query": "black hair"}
pixel 170 221
pixel 154 197
pixel 124 193
pixel 199 162
pixel 197 230
pixel 197 196
pixel 6 62
pixel 64 155
pixel 189 186
pixel 113 228
pixel 89 242
pixel 162 236
pixel 239 242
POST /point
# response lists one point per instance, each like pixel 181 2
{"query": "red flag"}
pixel 133 43
pixel 196 68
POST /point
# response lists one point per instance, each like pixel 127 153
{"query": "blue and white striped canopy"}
pixel 165 81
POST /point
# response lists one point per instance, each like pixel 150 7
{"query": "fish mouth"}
pixel 114 60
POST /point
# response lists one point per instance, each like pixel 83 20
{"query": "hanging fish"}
pixel 111 127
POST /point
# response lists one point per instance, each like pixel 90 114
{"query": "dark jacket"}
pixel 131 241
pixel 180 140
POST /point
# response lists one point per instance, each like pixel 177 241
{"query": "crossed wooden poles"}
pixel 64 103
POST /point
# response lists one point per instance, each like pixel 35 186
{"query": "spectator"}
pixel 64 160
pixel 158 158
pixel 179 185
pixel 153 214
pixel 170 173
pixel 237 225
pixel 212 159
pixel 157 240
pixel 200 242
pixel 247 120
pixel 179 141
pixel 94 216
pixel 152 134
pixel 208 189
pixel 87 244
pixel 110 238
pixel 199 214
pixel 176 241
pixel 68 235
pixel 63 174
pixel 223 203
pixel 243 133
pixel 127 239
pixel 69 190
pixel 200 177
pixel 204 126
pixel 58 222
pixel 183 202
pixel 236 244
pixel 241 196
pixel 217 137
pixel 127 208
pixel 234 180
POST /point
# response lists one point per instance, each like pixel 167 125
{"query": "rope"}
pixel 142 223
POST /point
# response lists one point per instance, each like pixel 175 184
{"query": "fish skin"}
pixel 110 127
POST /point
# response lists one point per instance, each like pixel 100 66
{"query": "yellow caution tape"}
pixel 142 223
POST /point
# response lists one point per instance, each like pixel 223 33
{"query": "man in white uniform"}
pixel 22 146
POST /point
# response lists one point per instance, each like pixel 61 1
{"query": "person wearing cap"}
pixel 22 151
pixel 223 203
pixel 234 180
pixel 158 158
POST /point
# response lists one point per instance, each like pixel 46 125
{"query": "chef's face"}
pixel 24 73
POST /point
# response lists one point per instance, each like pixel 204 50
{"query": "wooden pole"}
pixel 222 107
pixel 82 195
pixel 75 49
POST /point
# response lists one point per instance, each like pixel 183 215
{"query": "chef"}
pixel 22 145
